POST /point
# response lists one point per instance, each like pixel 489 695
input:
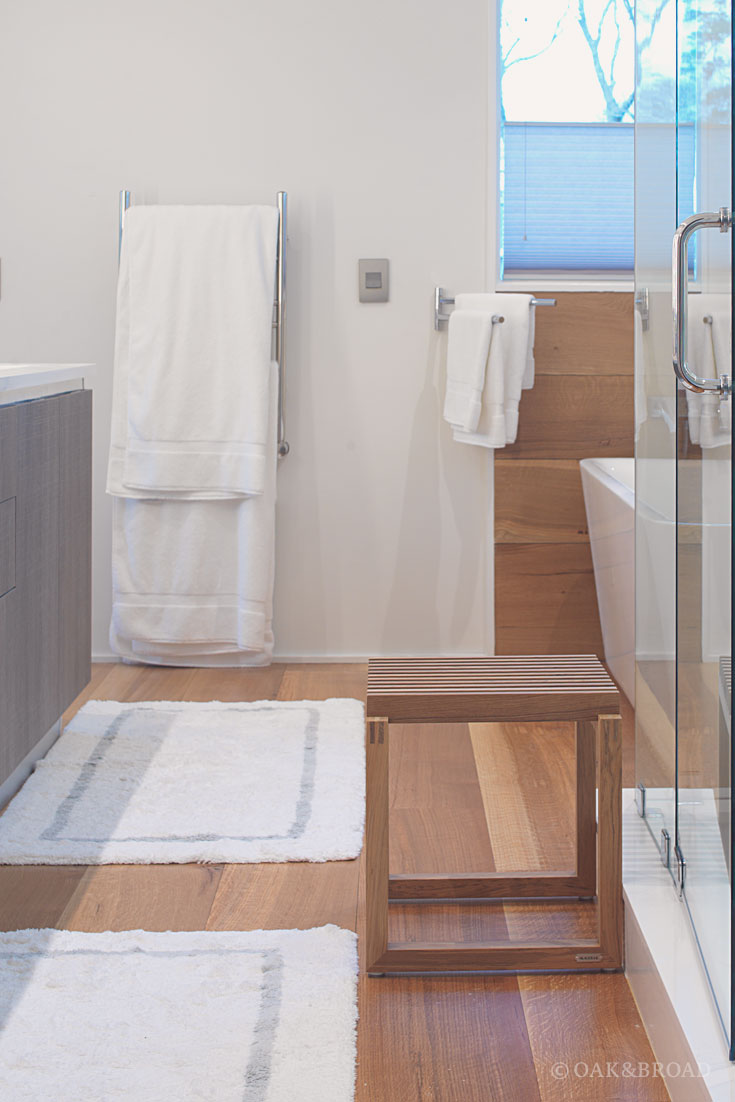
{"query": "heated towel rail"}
pixel 279 307
pixel 442 299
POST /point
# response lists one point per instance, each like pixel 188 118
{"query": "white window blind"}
pixel 567 196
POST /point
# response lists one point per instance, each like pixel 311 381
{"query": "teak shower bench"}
pixel 514 689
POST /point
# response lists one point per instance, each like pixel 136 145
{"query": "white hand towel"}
pixel 192 352
pixel 193 580
pixel 491 427
pixel 468 345
pixel 518 339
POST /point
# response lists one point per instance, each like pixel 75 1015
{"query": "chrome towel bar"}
pixel 279 306
pixel 442 299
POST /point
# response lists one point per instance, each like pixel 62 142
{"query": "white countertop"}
pixel 22 382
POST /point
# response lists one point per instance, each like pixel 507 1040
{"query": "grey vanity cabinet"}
pixel 45 566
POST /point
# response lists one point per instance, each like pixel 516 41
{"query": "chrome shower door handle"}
pixel 722 220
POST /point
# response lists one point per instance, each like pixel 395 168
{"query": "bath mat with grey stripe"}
pixel 162 782
pixel 263 1016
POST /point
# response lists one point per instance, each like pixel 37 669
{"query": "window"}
pixel 566 134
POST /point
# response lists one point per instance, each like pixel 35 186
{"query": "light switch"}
pixel 373 280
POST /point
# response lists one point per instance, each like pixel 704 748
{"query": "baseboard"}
pixel 22 772
pixel 322 659
pixel 278 659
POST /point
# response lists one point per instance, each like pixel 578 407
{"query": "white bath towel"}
pixel 518 339
pixel 709 414
pixel 192 352
pixel 491 430
pixel 468 345
pixel 193 580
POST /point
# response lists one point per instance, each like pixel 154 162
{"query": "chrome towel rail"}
pixel 723 221
pixel 442 299
pixel 280 321
pixel 279 306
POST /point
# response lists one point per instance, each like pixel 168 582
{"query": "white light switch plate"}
pixel 373 280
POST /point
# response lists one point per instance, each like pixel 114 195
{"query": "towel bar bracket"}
pixel 442 299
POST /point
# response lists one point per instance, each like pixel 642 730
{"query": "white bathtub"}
pixel 609 498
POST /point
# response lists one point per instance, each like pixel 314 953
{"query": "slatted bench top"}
pixel 509 688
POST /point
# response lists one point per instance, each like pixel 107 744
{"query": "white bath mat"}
pixel 265 1016
pixel 161 782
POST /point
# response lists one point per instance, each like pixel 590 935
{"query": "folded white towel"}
pixel 518 338
pixel 709 415
pixel 491 430
pixel 192 352
pixel 193 580
pixel 468 345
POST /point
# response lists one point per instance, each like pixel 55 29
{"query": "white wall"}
pixel 374 118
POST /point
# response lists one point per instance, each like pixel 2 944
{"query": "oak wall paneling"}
pixel 581 405
pixel 538 500
pixel 590 333
pixel 545 600
pixel 574 417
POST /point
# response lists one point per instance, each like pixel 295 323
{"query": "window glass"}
pixel 567 83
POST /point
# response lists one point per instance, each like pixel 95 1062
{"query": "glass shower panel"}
pixel 704 494
pixel 655 420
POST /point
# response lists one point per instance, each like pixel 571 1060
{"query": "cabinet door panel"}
pixel 7 545
pixel 11 717
pixel 75 562
pixel 37 570
pixel 45 552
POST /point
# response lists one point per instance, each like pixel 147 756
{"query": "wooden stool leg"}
pixel 586 809
pixel 610 840
pixel 376 840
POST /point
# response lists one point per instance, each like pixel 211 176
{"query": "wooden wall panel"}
pixel 581 406
pixel 538 501
pixel 574 417
pixel 585 333
pixel 545 600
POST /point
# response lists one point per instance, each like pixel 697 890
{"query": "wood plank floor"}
pixel 462 799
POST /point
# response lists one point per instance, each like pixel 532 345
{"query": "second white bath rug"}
pixel 161 783
pixel 264 1016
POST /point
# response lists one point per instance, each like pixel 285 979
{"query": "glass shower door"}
pixel 656 219
pixel 683 166
pixel 701 858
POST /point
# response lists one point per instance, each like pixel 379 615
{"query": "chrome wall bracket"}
pixel 642 304
pixel 440 299
pixel 681 870
pixel 640 799
pixel 665 848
